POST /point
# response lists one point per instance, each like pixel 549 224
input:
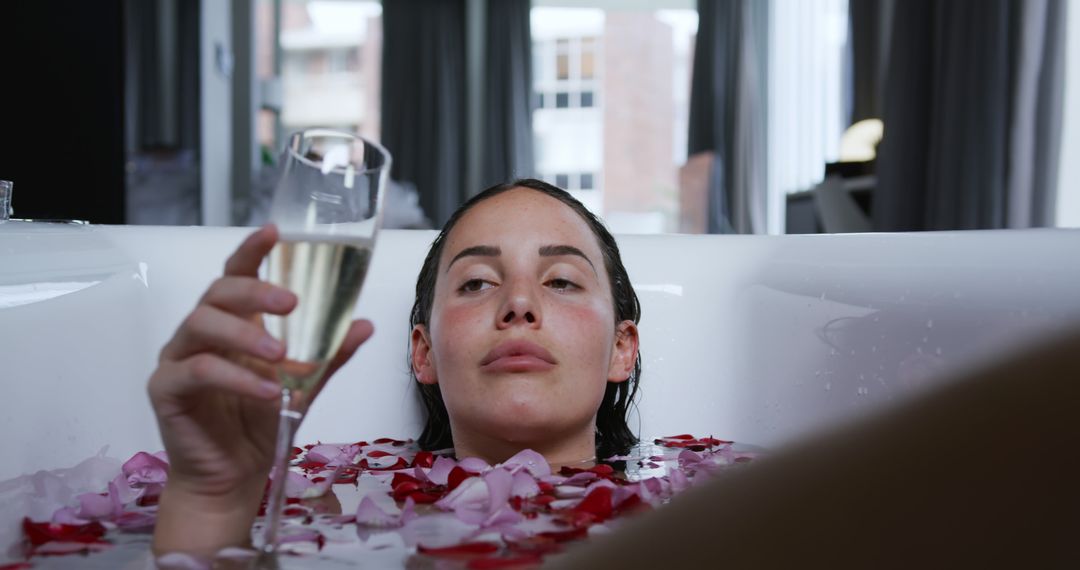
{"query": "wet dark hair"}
pixel 613 435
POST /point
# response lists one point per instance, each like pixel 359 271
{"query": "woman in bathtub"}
pixel 979 474
pixel 524 336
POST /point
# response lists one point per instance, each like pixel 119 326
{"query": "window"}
pixel 612 124
pixel 331 52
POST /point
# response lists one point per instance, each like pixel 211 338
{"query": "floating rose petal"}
pixel 41 533
pixel 150 495
pixel 423 459
pixel 524 485
pixel 371 515
pixel 391 441
pixel 581 479
pixel 66 515
pixel 459 550
pixel 383 464
pixel 440 470
pixel 62 548
pixel 94 506
pixel 530 461
pixel 679 481
pixel 597 504
pixel 144 468
pixel 457 476
pixel 472 493
pixel 688 458
pixel 300 535
pixel 474 465
pixel 296 485
pixel 520 561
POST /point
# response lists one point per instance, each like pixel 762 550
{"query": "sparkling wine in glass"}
pixel 327 207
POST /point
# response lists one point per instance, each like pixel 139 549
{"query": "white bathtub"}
pixel 757 339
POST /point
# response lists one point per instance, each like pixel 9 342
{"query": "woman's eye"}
pixel 474 285
pixel 560 284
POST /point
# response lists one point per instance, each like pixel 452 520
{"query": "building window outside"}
pixel 331 62
pixel 613 96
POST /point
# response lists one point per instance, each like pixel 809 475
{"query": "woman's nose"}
pixel 519 307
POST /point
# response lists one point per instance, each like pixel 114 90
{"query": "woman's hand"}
pixel 216 402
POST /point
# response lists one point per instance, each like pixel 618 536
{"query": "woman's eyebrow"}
pixel 481 250
pixel 555 250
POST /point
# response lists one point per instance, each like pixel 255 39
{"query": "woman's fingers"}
pixel 246 259
pixel 248 295
pixel 205 371
pixel 213 330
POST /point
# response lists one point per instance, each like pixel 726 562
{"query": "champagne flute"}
pixel 328 210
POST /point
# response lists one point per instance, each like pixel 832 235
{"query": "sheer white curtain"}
pixel 806 100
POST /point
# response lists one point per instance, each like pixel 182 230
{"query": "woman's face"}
pixel 522 338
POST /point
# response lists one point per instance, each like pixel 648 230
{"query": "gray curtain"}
pixel 507 121
pixel 423 99
pixel 972 114
pixel 161 51
pixel 728 113
pixel 868 50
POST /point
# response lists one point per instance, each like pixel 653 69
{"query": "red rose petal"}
pixel 565 535
pixel 524 561
pixel 463 549
pixel 379 453
pixel 597 503
pixel 41 533
pixel 423 459
pixel 456 476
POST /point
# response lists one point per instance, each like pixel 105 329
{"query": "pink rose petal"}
pixel 582 479
pixel 66 515
pixel 679 481
pixel 499 482
pixel 474 465
pixel 94 506
pixel 440 470
pixel 524 485
pixel 144 468
pixel 531 461
pixel 296 485
pixel 471 493
pixel 688 458
pixel 368 513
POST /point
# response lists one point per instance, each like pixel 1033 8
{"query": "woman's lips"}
pixel 518 356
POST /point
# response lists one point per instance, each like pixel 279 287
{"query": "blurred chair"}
pixel 836 206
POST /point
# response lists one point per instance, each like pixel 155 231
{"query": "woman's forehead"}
pixel 522 218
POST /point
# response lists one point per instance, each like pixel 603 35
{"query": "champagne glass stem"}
pixel 288 420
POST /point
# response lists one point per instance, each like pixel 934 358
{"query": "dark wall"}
pixel 61 108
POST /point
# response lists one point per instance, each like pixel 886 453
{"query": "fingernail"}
pixel 269 347
pixel 280 299
pixel 269 388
